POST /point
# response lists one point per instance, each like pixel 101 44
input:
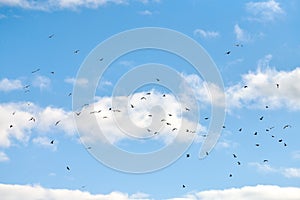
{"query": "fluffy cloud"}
pixel 9 85
pixel 41 82
pixel 3 157
pixel 264 11
pixel 81 81
pixel 34 192
pixel 146 12
pixel 240 34
pixel 206 34
pixel 291 172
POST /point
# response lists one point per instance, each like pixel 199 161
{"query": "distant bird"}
pixel 68 168
pixel 89 148
pixel 240 129
pixel 285 144
pixel 34 71
pixel 187 155
pixel 148 93
pixel 162 120
pixel 51 36
pixel 206 153
pixel 77 113
pixel 280 140
pixel 261 118
pixel 157 79
pixel 132 106
pixel 239 45
pixel 76 51
pixel 116 110
pixel 227 52
pixel 56 123
pixel 52 142
pixel 287 126
pixel 14 113
pixel 101 59
pixel 70 94
pixel 174 129
pixel 143 98
pixel 155 132
pixel 10 126
pixel 32 119
pixel 163 95
pixel 277 85
pixel 267 130
pixel 257 145
pixel 187 109
pixel 206 118
pixel 223 126
pixel 168 123
pixel 234 156
pixel 105 117
pixel 272 136
pixel 267 106
pixel 239 163
pixel 26 86
pixel 149 115
pixel 245 86
pixel 148 130
pixel 255 133
pixel 109 108
pixel 170 115
pixel 230 175
pixel 52 72
pixel 183 186
pixel 266 160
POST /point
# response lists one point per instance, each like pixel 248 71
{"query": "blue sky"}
pixel 33 168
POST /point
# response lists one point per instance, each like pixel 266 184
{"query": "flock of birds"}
pixel 144 98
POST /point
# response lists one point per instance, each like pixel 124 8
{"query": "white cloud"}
pixel 9 85
pixel 296 155
pixel 266 192
pixel 264 11
pixel 291 172
pixel 240 34
pixel 80 81
pixel 3 157
pixel 45 142
pixel 36 192
pixel 146 12
pixel 206 34
pixel 2 16
pixel 41 82
pixel 263 167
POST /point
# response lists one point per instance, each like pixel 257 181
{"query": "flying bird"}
pixel 168 123
pixel 77 113
pixel 174 129
pixel 76 51
pixel 164 95
pixel 257 145
pixel 206 118
pixel 32 119
pixel 240 129
pixel 280 140
pixel 148 93
pixel 266 160
pixel 170 115
pixel 68 168
pixel 56 123
pixel 255 133
pixel 234 156
pixel 52 141
pixel 143 98
pixel 277 85
pixel 70 94
pixel 239 163
pixel 287 126
pixel 183 186
pixel 187 109
pixel 51 36
pixel 35 70
pixel 227 52
pixel 230 175
pixel 187 155
pixel 132 106
pixel 261 118
pixel 245 86
pixel 101 59
pixel 157 79
pixel 10 126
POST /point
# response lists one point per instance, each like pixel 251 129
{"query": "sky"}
pixel 51 149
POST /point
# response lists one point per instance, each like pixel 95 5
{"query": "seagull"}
pixel 157 79
pixel 148 93
pixel 267 106
pixel 257 145
pixel 174 129
pixel 76 51
pixel 266 161
pixel 56 123
pixel 287 126
pixel 280 140
pixel 183 186
pixel 245 86
pixel 261 118
pixel 52 72
pixel 143 98
pixel 168 123
pixel 70 94
pixel 170 115
pixel 32 119
pixel 51 36
pixel 26 86
pixel 164 95
pixel 77 113
pixel 35 70
pixel 206 118
pixel 230 175
pixel 101 59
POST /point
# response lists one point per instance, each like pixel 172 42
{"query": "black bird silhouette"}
pixel 101 59
pixel 149 115
pixel 162 120
pixel 183 186
pixel 223 126
pixel 105 117
pixel 174 129
pixel 52 72
pixel 227 52
pixel 280 140
pixel 35 70
pixel 267 106
pixel 14 113
pixel 266 160
pixel 257 145
pixel 239 163
pixel 148 93
pixel 76 51
pixel 206 118
pixel 56 123
pixel 285 144
pixel 77 113
pixel 51 36
pixel 187 155
pixel 255 133
pixel 277 85
pixel 132 106
pixel 70 94
pixel 164 95
pixel 240 129
pixel 187 109
pixel 168 123
pixel 230 175
pixel 261 118
pixel 245 86
pixel 170 115
pixel 32 119
pixel 143 98
pixel 10 126
pixel 157 79
pixel 234 156
pixel 287 126
pixel 68 168
pixel 26 86
pixel 52 141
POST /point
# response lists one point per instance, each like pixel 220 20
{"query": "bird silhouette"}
pixel 56 123
pixel 234 156
pixel 245 86
pixel 261 118
pixel 51 36
pixel 187 155
pixel 266 160
pixel 132 106
pixel 143 98
pixel 34 71
pixel 257 145
pixel 76 51
pixel 230 175
pixel 240 129
pixel 239 163
pixel 32 119
pixel 227 52
pixel 52 142
pixel 277 85
pixel 287 126
pixel 255 133
pixel 187 109
pixel 68 168
pixel 10 126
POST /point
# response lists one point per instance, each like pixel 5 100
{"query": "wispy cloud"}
pixel 291 172
pixel 41 82
pixel 45 142
pixel 7 85
pixel 80 81
pixel 3 157
pixel 206 34
pixel 146 12
pixel 264 11
pixel 241 35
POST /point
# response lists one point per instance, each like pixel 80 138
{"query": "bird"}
pixel 77 113
pixel 14 113
pixel 239 45
pixel 105 117
pixel 89 148
pixel 149 115
pixel 227 52
pixel 206 118
pixel 168 123
pixel 183 186
pixel 240 129
pixel 187 109
pixel 34 71
pixel 234 156
pixel 157 79
pixel 206 153
pixel 162 120
pixel 10 126
pixel 170 115
pixel 266 160
pixel 285 144
pixel 257 145
pixel 287 126
pixel 255 133
pixel 174 129
pixel 280 140
pixel 51 36
pixel 68 168
pixel 26 86
pixel 148 93
pixel 267 106
pixel 277 85
pixel 155 133
pixel 52 72
pixel 101 59
pixel 230 175
pixel 223 126
pixel 143 98
pixel 52 141
pixel 187 155
pixel 76 51
pixel 245 86
pixel 56 123
pixel 163 95
pixel 148 130
pixel 239 163
pixel 70 94
pixel 32 119
pixel 132 106
pixel 261 118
